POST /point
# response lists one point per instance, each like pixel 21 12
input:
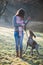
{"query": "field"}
pixel 7 49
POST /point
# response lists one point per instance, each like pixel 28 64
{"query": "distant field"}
pixel 7 49
pixel 35 26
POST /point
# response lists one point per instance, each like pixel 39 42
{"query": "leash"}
pixel 27 21
pixel 27 38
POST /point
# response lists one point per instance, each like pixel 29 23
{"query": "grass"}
pixel 7 49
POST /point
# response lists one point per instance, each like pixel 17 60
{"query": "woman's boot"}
pixel 17 53
pixel 20 53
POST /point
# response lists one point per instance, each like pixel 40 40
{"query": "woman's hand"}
pixel 29 18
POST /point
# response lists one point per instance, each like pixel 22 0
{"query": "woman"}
pixel 18 33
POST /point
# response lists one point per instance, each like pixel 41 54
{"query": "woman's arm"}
pixel 26 22
pixel 28 19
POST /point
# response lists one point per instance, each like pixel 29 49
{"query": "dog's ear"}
pixel 34 36
pixel 31 32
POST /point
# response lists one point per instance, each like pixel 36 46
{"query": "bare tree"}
pixel 3 4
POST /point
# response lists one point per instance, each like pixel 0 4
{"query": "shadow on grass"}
pixel 33 60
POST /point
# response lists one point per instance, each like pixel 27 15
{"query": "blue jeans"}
pixel 18 40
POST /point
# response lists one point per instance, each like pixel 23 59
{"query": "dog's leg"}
pixel 37 52
pixel 37 49
pixel 31 51
pixel 26 48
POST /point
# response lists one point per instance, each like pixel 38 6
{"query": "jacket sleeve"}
pixel 26 22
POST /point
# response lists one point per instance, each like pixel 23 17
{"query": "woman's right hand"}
pixel 29 18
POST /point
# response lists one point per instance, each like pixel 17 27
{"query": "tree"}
pixel 3 4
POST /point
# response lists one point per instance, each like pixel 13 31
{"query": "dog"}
pixel 31 42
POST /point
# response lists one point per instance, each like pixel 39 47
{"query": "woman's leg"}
pixel 16 41
pixel 21 45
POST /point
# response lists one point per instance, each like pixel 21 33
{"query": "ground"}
pixel 7 49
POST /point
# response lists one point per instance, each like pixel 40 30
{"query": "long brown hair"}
pixel 20 12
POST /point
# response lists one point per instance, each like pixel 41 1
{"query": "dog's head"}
pixel 32 34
